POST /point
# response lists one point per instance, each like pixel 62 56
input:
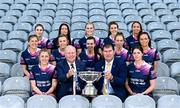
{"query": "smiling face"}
pixel 39 30
pixel 44 57
pixel 108 53
pixel 119 41
pixel 70 54
pixel 33 42
pixel 63 42
pixel 89 30
pixel 136 28
pixel 64 30
pixel 144 40
pixel 90 44
pixel 137 54
pixel 113 29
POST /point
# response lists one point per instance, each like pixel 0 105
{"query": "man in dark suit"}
pixel 115 73
pixel 67 71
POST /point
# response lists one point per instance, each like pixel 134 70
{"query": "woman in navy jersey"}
pixel 63 30
pixel 89 32
pixel 58 54
pixel 151 55
pixel 112 31
pixel 90 56
pixel 141 75
pixel 42 76
pixel 29 57
pixel 120 51
pixel 132 41
pixel 43 42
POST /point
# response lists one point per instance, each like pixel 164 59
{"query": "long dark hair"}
pixel 68 34
pixel 141 29
pixel 145 33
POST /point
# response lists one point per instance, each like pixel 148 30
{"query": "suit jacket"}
pixel 65 86
pixel 119 73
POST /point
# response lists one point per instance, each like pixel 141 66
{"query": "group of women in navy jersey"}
pixel 42 55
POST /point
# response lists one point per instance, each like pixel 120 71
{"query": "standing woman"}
pixel 113 29
pixel 132 40
pixel 42 76
pixel 58 54
pixel 120 51
pixel 43 42
pixel 29 57
pixel 141 75
pixel 90 56
pixel 151 55
pixel 89 32
pixel 63 30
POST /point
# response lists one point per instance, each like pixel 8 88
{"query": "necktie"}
pixel 105 84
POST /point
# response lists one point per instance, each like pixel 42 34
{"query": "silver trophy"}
pixel 89 77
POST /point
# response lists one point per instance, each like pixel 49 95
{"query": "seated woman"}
pixel 150 55
pixel 42 76
pixel 120 51
pixel 90 56
pixel 29 57
pixel 43 42
pixel 58 54
pixel 141 75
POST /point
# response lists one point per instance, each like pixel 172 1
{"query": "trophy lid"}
pixel 89 75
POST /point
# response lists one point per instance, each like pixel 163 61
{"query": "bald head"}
pixel 70 53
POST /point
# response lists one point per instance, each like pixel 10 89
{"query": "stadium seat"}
pixel 41 101
pixel 77 34
pixel 3 36
pixel 16 70
pixel 165 86
pixel 116 18
pixel 169 101
pixel 113 12
pixel 39 2
pixel 50 13
pixel 95 1
pixel 80 1
pixel 98 12
pixel 55 26
pixel 0 87
pixel 166 44
pixel 163 70
pixel 136 2
pixel 127 12
pixel 63 13
pixel 175 71
pixel 150 18
pixel 8 56
pixel 108 101
pixel 9 19
pixel 125 33
pixel 7 27
pixel 153 44
pixel 155 1
pixel 173 26
pixel 65 7
pixel 9 2
pixel 77 26
pixel 27 19
pixel 168 18
pixel 53 34
pixel 11 101
pixel 14 45
pixel 73 101
pixel 176 13
pixel 101 33
pixel 158 35
pixel 130 18
pixel 153 26
pixel 80 12
pixel 23 27
pixel 125 1
pixel 44 19
pixel 2 13
pixel 100 26
pixel 36 7
pixel 24 2
pixel 122 26
pixel 127 6
pixel 139 101
pixel 176 35
pixel 51 2
pixel 167 2
pixel 33 13
pixel 162 12
pixel 76 19
pixel 49 7
pixel 174 6
pixel 170 56
pixel 142 5
pixel 157 6
pixel 20 7
pixel 111 5
pixel 19 86
pixel 97 18
pixel 96 6
pixel 66 2
pixel 4 71
pixel 144 12
pixel 4 7
pixel 80 6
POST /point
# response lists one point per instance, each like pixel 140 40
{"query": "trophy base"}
pixel 89 91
